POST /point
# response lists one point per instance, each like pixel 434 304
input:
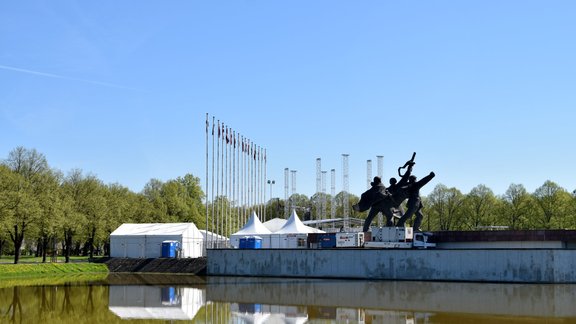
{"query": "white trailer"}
pixel 398 238
pixel 355 239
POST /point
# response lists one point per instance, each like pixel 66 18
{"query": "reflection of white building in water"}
pixel 268 314
pixel 150 302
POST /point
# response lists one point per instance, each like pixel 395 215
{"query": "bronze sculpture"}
pixel 388 200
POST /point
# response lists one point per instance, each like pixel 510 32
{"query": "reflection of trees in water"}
pixel 89 300
pixel 15 309
pixel 67 307
pixel 55 304
pixel 47 300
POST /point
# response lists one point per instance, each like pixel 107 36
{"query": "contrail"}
pixel 50 75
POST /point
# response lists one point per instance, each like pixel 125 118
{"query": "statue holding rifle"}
pixel 388 200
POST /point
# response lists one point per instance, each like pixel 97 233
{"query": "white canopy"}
pixel 253 227
pixel 275 224
pixel 295 225
pixel 154 229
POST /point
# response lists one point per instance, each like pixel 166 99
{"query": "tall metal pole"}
pixel 345 189
pixel 380 159
pixel 213 200
pixel 286 207
pixel 206 225
pixel 368 173
pixel 318 188
pixel 324 205
pixel 271 183
pixel 333 193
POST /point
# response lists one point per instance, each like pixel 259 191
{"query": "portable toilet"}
pixel 242 242
pixel 170 248
pixel 254 242
pixel 250 242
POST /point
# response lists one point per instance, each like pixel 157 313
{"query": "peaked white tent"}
pixel 253 227
pixel 145 240
pixel 275 224
pixel 294 225
pixel 294 234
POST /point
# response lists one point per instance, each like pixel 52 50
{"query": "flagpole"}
pixel 221 212
pixel 206 225
pixel 218 180
pixel 260 181
pixel 226 201
pixel 213 201
pixel 265 176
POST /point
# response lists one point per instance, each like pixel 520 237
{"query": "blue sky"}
pixel 483 91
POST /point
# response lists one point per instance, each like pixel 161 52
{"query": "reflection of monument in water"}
pixel 393 301
pixel 153 302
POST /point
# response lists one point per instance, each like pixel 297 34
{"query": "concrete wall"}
pixel 493 265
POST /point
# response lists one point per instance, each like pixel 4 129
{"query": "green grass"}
pixel 42 269
pixel 33 259
pixel 50 280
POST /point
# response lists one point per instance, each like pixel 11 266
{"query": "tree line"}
pixel 45 211
pixel 41 209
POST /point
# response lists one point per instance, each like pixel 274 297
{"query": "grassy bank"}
pixel 32 259
pixel 41 269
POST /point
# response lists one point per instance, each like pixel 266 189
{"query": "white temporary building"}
pixel 213 240
pixel 294 234
pixel 145 240
pixel 253 227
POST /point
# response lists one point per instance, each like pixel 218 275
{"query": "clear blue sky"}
pixel 483 91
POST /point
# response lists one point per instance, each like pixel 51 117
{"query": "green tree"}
pixel 88 207
pixel 49 198
pixel 479 205
pixel 516 206
pixel 194 200
pixel 153 193
pixel 274 208
pixel 9 183
pixel 553 203
pixel 352 199
pixel 26 210
pixel 174 196
pixel 444 208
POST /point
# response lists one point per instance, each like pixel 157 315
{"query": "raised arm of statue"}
pixel 424 180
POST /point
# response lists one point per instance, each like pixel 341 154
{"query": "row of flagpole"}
pixel 236 173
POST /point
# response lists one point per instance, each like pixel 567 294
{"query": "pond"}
pixel 191 299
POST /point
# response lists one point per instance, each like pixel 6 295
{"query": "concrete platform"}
pixel 487 256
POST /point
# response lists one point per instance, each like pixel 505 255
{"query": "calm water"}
pixel 179 299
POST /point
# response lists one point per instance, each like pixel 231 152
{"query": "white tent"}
pixel 253 227
pixel 295 225
pixel 145 240
pixel 294 234
pixel 275 224
pixel 213 240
